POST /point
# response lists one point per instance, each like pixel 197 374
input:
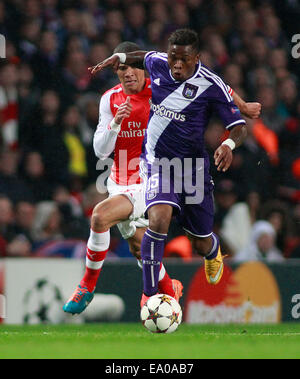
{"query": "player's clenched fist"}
pixel 252 110
pixel 123 111
pixel 223 157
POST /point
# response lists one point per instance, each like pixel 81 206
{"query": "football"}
pixel 161 314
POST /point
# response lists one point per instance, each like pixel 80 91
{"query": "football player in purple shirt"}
pixel 175 164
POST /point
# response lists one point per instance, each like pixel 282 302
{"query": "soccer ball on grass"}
pixel 161 314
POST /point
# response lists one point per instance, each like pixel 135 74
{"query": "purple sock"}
pixel 152 251
pixel 215 248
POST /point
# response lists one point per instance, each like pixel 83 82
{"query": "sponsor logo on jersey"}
pixel 162 111
pixel 132 133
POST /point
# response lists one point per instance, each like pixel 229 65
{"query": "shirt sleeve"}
pixel 104 138
pixel 148 61
pixel 153 57
pixel 222 103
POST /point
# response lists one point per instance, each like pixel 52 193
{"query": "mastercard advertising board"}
pixel 248 294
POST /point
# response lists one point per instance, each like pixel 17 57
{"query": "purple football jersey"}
pixel 180 111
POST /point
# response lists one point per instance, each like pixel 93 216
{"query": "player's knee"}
pixel 159 223
pixel 160 218
pixel 98 221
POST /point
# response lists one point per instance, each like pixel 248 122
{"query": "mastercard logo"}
pixel 249 294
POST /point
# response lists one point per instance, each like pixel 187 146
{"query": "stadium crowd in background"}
pixel 49 111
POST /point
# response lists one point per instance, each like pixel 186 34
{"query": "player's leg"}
pixel 197 220
pixel 172 287
pixel 153 245
pixel 106 214
pixel 209 248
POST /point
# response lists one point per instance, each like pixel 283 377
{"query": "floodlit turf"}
pixel 126 341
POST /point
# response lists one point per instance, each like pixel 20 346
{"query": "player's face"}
pixel 132 79
pixel 182 61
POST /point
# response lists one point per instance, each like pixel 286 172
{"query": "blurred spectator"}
pixel 20 244
pixel 77 166
pixel 9 104
pixel 237 223
pixel 273 32
pixel 102 80
pixel 75 77
pixel 33 174
pixel 45 61
pixel 29 38
pixel 10 182
pixel 216 46
pixel 28 91
pixel 233 76
pixel 294 248
pixel 266 95
pixel 89 108
pixel 279 216
pixel 6 223
pixel 135 30
pixel 288 96
pixel 24 217
pixel 225 197
pixel 74 223
pixel 261 245
pixel 47 223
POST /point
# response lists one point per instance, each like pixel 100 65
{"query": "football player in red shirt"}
pixel 123 117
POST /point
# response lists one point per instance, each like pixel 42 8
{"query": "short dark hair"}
pixel 126 47
pixel 184 37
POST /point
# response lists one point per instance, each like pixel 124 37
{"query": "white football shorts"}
pixel 135 193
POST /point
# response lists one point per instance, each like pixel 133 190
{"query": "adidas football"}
pixel 161 314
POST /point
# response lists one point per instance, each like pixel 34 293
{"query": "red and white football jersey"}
pixel 126 144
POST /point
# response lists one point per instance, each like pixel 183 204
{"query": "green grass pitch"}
pixel 133 341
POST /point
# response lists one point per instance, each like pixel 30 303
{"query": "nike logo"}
pixel 217 276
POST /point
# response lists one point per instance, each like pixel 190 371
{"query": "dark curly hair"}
pixel 184 37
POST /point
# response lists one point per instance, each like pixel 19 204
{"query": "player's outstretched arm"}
pixel 223 154
pixel 133 58
pixel 248 109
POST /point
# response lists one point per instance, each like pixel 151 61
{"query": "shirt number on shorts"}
pixel 153 182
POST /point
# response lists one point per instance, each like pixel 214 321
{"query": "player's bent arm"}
pixel 248 109
pixel 107 130
pixel 135 58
